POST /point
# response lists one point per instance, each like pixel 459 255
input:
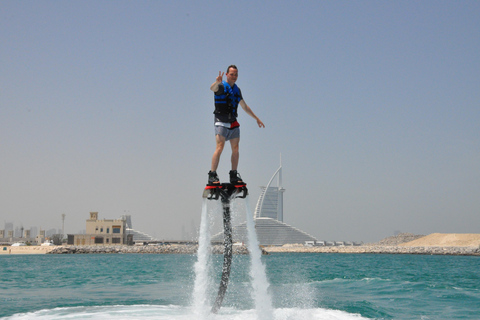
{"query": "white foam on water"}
pixel 172 312
pixel 201 304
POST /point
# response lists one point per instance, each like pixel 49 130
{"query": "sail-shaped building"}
pixel 270 202
pixel 268 216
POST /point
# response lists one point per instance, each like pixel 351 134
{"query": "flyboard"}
pixel 225 192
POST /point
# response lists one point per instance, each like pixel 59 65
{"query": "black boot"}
pixel 235 178
pixel 213 178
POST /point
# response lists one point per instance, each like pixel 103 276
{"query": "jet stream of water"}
pixel 263 301
pixel 259 281
pixel 202 280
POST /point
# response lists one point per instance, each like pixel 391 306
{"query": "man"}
pixel 227 98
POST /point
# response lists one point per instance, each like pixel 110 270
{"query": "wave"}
pixel 172 312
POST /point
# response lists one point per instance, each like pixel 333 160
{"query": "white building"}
pixel 268 216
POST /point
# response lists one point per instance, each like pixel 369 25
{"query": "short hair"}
pixel 232 66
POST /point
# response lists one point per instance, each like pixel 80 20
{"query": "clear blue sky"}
pixel 374 105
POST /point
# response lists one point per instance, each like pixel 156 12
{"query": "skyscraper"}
pixel 268 216
pixel 270 202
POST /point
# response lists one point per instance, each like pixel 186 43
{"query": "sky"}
pixel 372 106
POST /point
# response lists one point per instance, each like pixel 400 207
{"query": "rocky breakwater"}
pixel 459 251
pixel 150 249
pixel 405 243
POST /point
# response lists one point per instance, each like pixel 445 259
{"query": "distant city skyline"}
pixel 34 230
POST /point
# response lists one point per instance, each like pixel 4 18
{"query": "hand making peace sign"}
pixel 220 76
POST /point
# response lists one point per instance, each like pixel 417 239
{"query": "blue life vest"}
pixel 227 99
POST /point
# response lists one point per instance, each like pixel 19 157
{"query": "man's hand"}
pixel 260 123
pixel 214 86
pixel 220 76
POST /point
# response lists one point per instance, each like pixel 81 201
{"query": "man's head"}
pixel 232 66
pixel 232 74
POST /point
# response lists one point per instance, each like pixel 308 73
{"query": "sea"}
pixel 301 286
pixel 279 286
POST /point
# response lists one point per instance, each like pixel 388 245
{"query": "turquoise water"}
pixel 302 286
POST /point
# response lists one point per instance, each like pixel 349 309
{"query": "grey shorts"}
pixel 227 133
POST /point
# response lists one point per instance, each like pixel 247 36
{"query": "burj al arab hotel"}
pixel 268 216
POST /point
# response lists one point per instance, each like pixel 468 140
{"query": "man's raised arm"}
pixel 214 86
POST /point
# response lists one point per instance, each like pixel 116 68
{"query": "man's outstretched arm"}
pixel 249 111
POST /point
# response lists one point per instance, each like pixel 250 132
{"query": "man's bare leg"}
pixel 235 152
pixel 220 144
pixel 234 176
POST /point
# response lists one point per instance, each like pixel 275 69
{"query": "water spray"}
pixel 225 192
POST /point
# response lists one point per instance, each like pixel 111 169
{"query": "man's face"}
pixel 232 75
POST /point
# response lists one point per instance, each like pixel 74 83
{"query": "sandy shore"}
pixel 26 249
pixel 446 240
pixel 434 244
pixel 455 251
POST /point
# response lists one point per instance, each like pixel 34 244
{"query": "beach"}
pixel 26 249
pixel 433 244
pixel 425 250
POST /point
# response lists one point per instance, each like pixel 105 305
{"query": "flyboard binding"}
pixel 226 191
